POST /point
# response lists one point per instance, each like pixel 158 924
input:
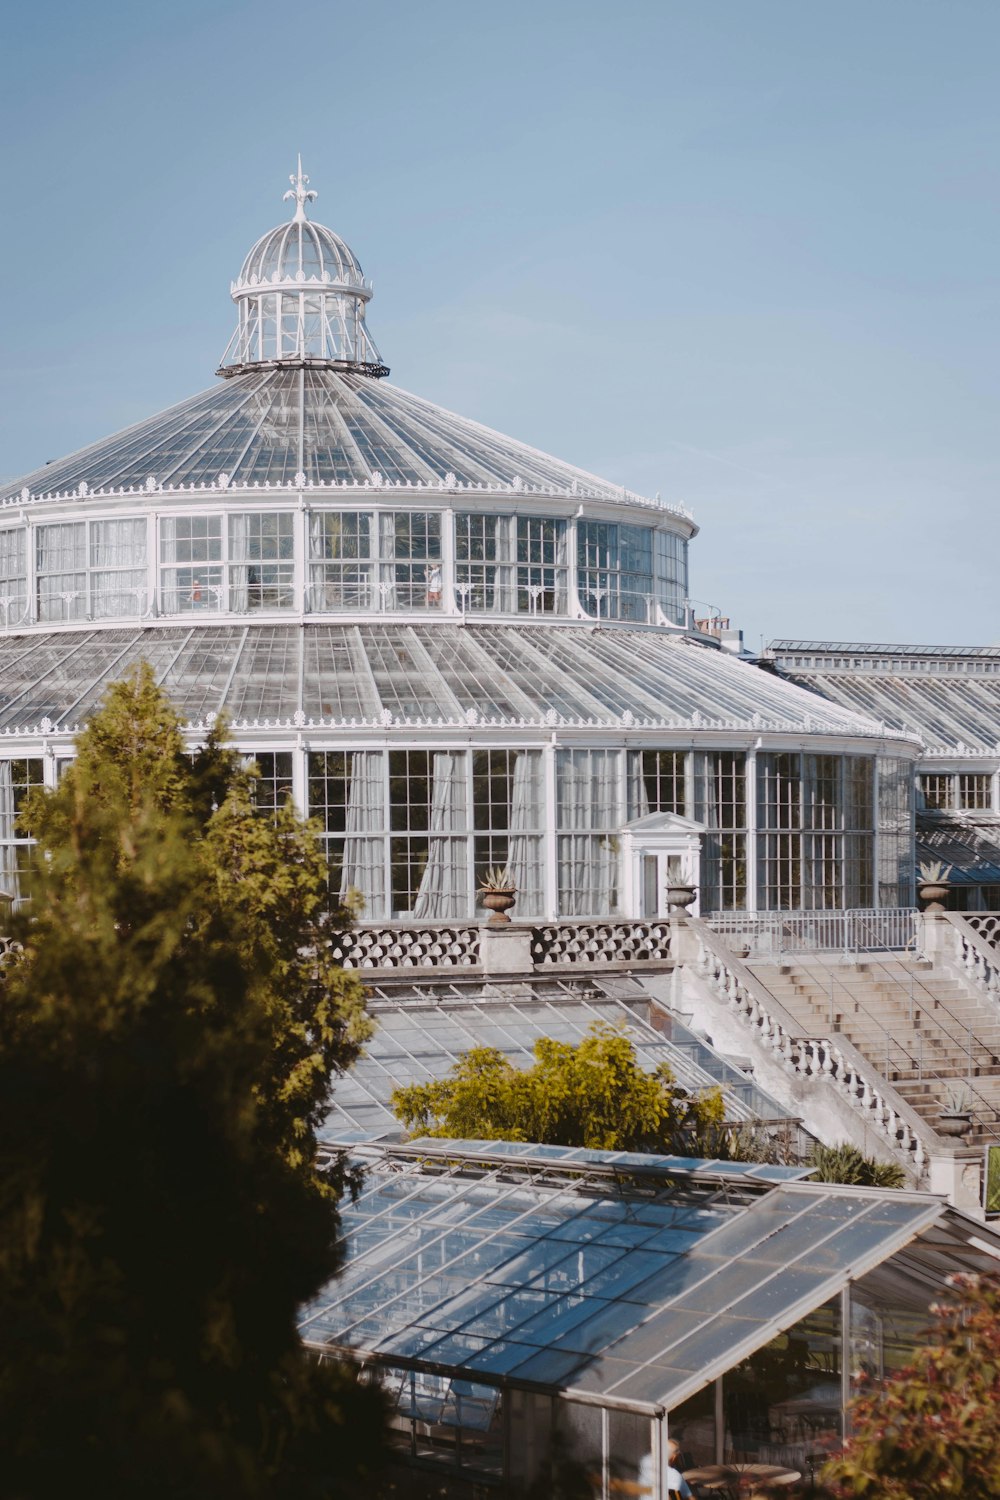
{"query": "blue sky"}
pixel 741 252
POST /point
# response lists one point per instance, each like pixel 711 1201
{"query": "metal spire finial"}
pixel 300 192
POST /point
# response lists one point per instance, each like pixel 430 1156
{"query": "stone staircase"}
pixel 923 1027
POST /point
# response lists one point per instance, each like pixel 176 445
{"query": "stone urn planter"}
pixel 933 884
pixel 933 893
pixel 497 892
pixel 679 897
pixel 954 1124
pixel 499 903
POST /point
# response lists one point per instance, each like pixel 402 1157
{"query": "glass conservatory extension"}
pixel 452 649
pixel 534 1312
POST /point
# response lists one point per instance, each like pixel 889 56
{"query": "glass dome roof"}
pixel 333 427
pixel 297 251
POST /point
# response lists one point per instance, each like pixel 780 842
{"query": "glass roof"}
pixel 970 845
pixel 946 711
pixel 424 1027
pixel 544 1265
pixel 265 427
pixel 300 246
pixel 436 673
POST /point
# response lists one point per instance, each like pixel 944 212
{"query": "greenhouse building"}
pixel 454 650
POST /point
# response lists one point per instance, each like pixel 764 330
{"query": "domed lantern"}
pixel 301 297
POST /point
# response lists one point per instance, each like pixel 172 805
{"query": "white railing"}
pixel 977 955
pixel 768 934
pixel 599 942
pixel 986 926
pixel 828 1060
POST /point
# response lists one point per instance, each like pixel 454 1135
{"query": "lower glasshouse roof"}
pixel 422 1029
pixel 380 674
pixel 614 1277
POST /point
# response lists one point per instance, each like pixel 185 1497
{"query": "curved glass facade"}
pixel 312 560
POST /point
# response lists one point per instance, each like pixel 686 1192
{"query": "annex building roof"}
pixel 423 1027
pixel 947 697
pixel 380 674
pixel 615 1277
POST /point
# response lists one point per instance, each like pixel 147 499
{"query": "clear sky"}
pixel 741 252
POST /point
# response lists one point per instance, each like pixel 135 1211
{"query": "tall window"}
pixel 508 816
pixel 119 582
pixel 816 840
pixel 274 785
pixel 261 561
pixel 588 824
pixel 410 552
pixel 191 564
pixel 615 570
pixel 720 803
pixel 347 794
pixel 341 561
pixel 61 571
pixel 895 832
pixel 13 575
pixel 670 573
pixel 540 571
pixel 427 809
pixel 483 574
pixel 17 777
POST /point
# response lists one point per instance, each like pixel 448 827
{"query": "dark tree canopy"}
pixel 594 1094
pixel 167 1037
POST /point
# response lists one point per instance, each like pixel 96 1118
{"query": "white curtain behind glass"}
pixel 525 844
pixel 588 797
pixel 13 574
pixel 444 885
pixel 239 570
pixel 118 545
pixel 364 849
pixel 707 811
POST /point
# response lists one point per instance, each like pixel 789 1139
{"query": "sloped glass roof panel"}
pixel 265 426
pixel 421 1040
pixel 948 699
pixel 357 672
pixel 641 1328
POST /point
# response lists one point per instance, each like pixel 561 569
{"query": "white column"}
pixel 551 814
pixel 300 778
pixel 448 606
pixel 300 543
pixel 750 798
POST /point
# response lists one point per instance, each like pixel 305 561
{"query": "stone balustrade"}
pixel 408 947
pixel 831 1060
pixel 599 942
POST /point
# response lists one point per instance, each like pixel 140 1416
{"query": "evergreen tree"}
pixel 167 1037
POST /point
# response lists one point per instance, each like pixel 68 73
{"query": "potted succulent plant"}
pixel 933 885
pixel 955 1118
pixel 497 892
pixel 679 895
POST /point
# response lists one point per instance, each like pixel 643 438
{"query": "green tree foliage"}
pixel 847 1164
pixel 594 1094
pixel 167 1036
pixel 933 1430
